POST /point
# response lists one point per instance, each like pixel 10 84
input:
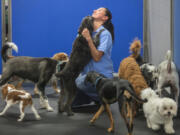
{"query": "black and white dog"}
pixel 79 58
pixel 150 74
pixel 37 70
pixel 168 76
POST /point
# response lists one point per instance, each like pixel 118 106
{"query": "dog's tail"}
pixel 5 48
pixel 169 59
pixel 130 92
pixel 135 48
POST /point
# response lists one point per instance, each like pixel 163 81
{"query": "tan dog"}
pixel 130 70
pixel 59 57
pixel 13 96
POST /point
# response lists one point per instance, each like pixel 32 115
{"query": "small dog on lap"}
pixel 13 96
pixel 111 91
pixel 159 111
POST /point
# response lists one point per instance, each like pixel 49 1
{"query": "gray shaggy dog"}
pixel 79 58
pixel 37 70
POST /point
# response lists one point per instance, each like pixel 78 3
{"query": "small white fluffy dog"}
pixel 167 73
pixel 13 96
pixel 159 111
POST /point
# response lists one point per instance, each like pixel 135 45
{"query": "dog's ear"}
pixel 87 22
pixel 82 25
pixel 4 92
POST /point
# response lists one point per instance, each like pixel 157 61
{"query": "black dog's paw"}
pixel 68 110
pixel 70 113
pixel 60 108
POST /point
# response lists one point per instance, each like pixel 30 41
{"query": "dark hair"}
pixel 108 24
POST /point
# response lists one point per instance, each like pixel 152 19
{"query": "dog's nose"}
pixel 169 113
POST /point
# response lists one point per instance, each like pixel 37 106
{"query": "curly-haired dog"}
pixel 167 73
pixel 13 96
pixel 159 111
pixel 60 57
pixel 37 70
pixel 79 58
pixel 111 91
pixel 130 70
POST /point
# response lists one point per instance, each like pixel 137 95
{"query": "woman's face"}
pixel 99 14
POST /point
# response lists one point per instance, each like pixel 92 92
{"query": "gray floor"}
pixel 53 123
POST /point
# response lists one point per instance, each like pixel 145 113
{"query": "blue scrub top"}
pixel 105 65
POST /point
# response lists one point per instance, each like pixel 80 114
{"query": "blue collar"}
pixel 58 66
pixel 97 80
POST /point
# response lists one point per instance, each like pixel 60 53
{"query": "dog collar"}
pixel 58 67
pixel 97 80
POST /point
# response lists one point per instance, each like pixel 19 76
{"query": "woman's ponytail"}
pixel 108 24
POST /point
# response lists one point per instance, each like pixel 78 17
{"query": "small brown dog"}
pixel 13 96
pixel 62 57
pixel 130 70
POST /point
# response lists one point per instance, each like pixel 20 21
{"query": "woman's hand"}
pixel 86 34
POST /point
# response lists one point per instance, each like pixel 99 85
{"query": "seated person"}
pixel 101 57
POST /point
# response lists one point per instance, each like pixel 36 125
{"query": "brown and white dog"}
pixel 13 96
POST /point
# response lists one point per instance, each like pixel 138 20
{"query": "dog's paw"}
pixel 110 130
pixel 36 92
pixel 70 113
pixel 91 122
pixel 60 110
pixel 50 109
pixel 38 118
pixel 169 130
pixel 155 127
pixel 58 91
pixel 19 120
pixel 1 114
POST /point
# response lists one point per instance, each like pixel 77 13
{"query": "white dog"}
pixel 159 111
pixel 168 74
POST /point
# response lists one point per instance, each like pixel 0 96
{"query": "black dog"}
pixel 111 91
pixel 79 58
pixel 37 70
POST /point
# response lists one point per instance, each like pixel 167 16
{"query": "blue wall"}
pixel 44 27
pixel 177 33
